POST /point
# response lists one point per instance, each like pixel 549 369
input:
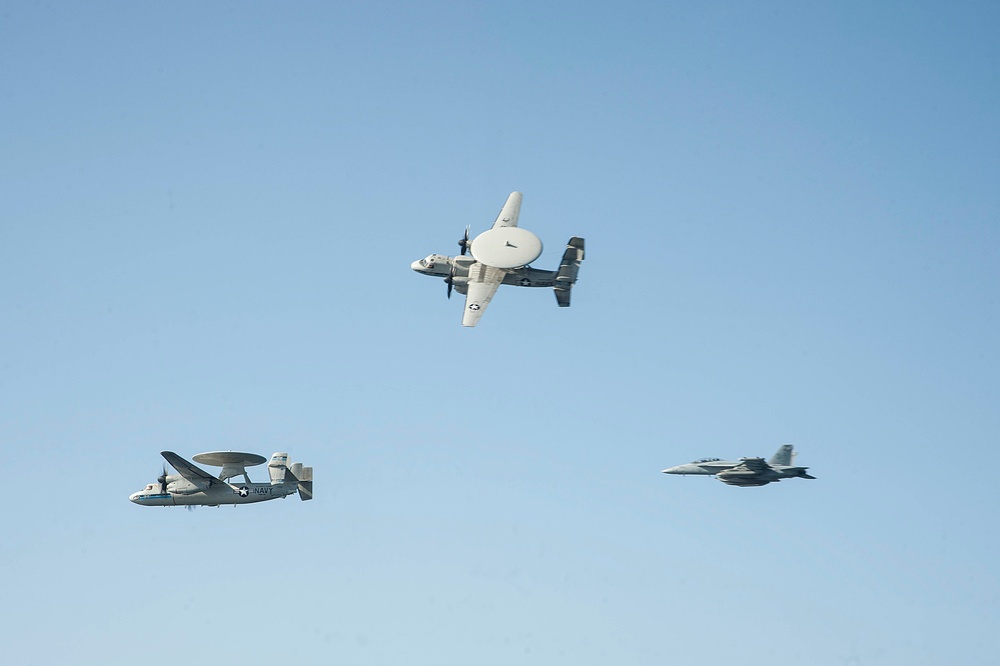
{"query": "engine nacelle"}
pixel 182 487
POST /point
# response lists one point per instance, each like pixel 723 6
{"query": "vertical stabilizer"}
pixel 276 468
pixel 783 456
pixel 568 269
pixel 305 477
pixel 283 472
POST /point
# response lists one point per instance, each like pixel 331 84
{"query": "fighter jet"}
pixel 746 472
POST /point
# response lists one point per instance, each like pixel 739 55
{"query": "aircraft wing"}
pixel 483 283
pixel 509 212
pixel 754 465
pixel 190 471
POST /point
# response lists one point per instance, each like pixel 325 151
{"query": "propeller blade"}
pixel 464 243
pixel 162 479
pixel 450 280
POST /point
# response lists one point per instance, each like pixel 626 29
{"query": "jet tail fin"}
pixel 783 456
pixel 568 269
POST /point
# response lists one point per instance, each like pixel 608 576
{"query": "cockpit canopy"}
pixel 432 264
pixel 430 261
pixel 705 460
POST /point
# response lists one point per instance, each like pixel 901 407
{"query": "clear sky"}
pixel 792 217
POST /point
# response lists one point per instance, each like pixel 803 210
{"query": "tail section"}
pixel 568 269
pixel 281 473
pixel 783 456
pixel 784 460
pixel 276 468
pixel 305 479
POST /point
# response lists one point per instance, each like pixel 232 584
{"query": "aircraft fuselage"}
pixel 239 493
pixel 748 478
pixel 439 265
pixel 706 467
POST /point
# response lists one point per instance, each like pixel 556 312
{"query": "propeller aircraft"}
pixel 193 486
pixel 501 255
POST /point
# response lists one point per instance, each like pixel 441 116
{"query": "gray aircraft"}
pixel 747 472
pixel 501 255
pixel 193 486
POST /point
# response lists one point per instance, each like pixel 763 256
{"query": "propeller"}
pixel 450 280
pixel 464 242
pixel 162 480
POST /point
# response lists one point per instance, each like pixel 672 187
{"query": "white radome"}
pixel 506 247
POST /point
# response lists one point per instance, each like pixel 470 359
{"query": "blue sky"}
pixel 207 216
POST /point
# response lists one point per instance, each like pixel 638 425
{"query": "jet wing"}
pixel 483 283
pixel 754 465
pixel 509 212
pixel 191 472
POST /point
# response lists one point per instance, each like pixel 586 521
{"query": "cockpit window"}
pixel 705 460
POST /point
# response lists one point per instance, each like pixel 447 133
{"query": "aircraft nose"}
pixel 416 265
pixel 672 470
pixel 134 497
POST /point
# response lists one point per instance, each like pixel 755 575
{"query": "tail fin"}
pixel 568 269
pixel 783 456
pixel 276 468
pixel 304 475
pixel 282 473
